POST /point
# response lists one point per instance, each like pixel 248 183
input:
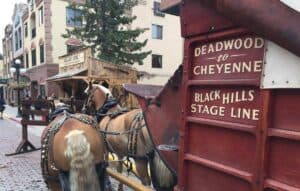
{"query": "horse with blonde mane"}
pixel 125 134
pixel 72 154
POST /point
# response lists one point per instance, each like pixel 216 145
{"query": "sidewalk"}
pixel 18 172
pixel 11 113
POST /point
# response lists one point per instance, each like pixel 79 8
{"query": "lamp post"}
pixel 17 67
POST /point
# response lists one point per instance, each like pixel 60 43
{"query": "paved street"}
pixel 19 172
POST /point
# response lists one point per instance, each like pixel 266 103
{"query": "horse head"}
pixel 97 95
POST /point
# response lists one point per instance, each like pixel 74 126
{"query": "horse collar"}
pixel 109 103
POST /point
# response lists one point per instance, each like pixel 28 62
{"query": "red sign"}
pixel 229 59
pixel 239 105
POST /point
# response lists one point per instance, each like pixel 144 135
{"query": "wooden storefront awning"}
pixel 69 76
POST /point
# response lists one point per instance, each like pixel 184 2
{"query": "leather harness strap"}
pixel 47 142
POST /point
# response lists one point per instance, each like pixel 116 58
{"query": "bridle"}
pixel 89 104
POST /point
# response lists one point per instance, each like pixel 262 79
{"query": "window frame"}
pixel 33 57
pixel 157 31
pixel 156 9
pixel 26 30
pixel 27 60
pixel 71 18
pixel 160 59
pixel 42 53
pixel 41 15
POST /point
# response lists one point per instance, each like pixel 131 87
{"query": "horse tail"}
pixel 163 178
pixel 83 174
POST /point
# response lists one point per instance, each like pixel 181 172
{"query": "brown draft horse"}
pixel 72 144
pixel 125 134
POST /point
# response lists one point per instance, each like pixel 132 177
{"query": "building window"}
pixel 33 33
pixel 20 37
pixel 71 48
pixel 157 31
pixel 27 60
pixel 26 29
pixel 31 4
pixel 74 17
pixel 42 57
pixel 33 26
pixel 33 57
pixel 42 90
pixel 41 16
pixel 156 61
pixel 16 41
pixel 156 9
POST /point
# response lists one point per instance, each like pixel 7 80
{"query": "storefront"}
pixel 79 68
pixel 38 76
pixel 12 87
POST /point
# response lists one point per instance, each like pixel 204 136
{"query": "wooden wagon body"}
pixel 232 123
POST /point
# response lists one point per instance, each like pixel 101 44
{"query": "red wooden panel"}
pixel 200 178
pixel 232 148
pixel 238 58
pixel 284 161
pixel 197 19
pixel 234 104
pixel 286 110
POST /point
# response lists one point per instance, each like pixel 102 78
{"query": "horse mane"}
pixel 102 88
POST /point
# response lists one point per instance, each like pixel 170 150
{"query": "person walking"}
pixel 2 107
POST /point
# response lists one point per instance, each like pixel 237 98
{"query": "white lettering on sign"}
pixel 72 59
pixel 202 104
pixel 234 56
pixel 228 68
pixel 233 44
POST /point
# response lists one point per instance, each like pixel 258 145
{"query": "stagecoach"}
pixel 229 117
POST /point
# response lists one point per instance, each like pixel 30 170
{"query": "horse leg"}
pixel 54 186
pixel 142 171
pixel 120 170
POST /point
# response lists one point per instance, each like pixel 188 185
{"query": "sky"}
pixel 6 12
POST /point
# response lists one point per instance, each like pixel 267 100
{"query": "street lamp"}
pixel 16 67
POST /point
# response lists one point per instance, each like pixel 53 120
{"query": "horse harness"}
pixel 46 148
pixel 135 126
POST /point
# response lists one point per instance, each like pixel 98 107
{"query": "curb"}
pixel 12 118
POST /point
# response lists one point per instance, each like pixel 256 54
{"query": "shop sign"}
pixel 229 59
pixel 238 104
pixel 72 60
pixel 3 81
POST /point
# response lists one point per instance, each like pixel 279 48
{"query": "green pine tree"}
pixel 106 31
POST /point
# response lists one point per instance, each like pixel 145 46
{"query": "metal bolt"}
pixel 273 82
pixel 287 81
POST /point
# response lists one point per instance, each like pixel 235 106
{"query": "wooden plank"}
pixel 294 135
pixel 224 124
pixel 273 184
pixel 220 167
pixel 35 112
pixel 31 122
